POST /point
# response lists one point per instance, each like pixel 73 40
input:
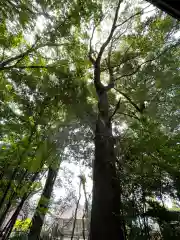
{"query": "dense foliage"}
pixel 72 72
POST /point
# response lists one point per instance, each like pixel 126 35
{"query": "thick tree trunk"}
pixel 106 222
pixel 39 215
pixel 105 216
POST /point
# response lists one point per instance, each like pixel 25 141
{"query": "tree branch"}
pixel 113 28
pixel 129 115
pixel 91 38
pixel 90 46
pixel 22 55
pixel 128 48
pixel 115 110
pixel 19 57
pixel 118 35
pixel 108 62
pixel 129 99
pixel 104 45
pixel 132 16
pixel 148 61
pixel 24 67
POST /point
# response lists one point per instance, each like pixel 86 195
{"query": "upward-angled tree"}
pixel 46 85
pixel 121 64
pixel 41 210
pixel 38 78
pixel 105 217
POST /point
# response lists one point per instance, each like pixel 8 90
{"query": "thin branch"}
pixel 110 69
pixel 129 115
pixel 6 62
pixel 91 38
pixel 50 44
pixel 125 54
pixel 148 61
pixel 3 54
pixel 130 74
pixel 123 61
pixel 132 16
pixel 115 110
pixel 24 67
pixel 108 62
pixel 24 7
pixel 118 35
pixel 19 60
pixel 104 45
pixel 22 55
pixel 129 99
pixel 90 46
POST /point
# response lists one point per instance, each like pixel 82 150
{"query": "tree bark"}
pixel 13 219
pixel 41 210
pixel 8 187
pixel 106 222
pixel 9 226
pixel 76 210
pixel 11 198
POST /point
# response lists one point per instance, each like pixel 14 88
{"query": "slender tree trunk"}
pixel 145 219
pixel 83 226
pixel 106 223
pixel 86 200
pixel 39 215
pixel 4 214
pixel 11 198
pixel 75 214
pixel 85 218
pixel 21 157
pixel 13 219
pixel 8 187
pixel 9 226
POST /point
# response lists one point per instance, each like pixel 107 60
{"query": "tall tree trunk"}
pixel 106 222
pixel 9 226
pixel 15 171
pixel 4 214
pixel 12 221
pixel 11 198
pixel 39 215
pixel 21 157
pixel 76 210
